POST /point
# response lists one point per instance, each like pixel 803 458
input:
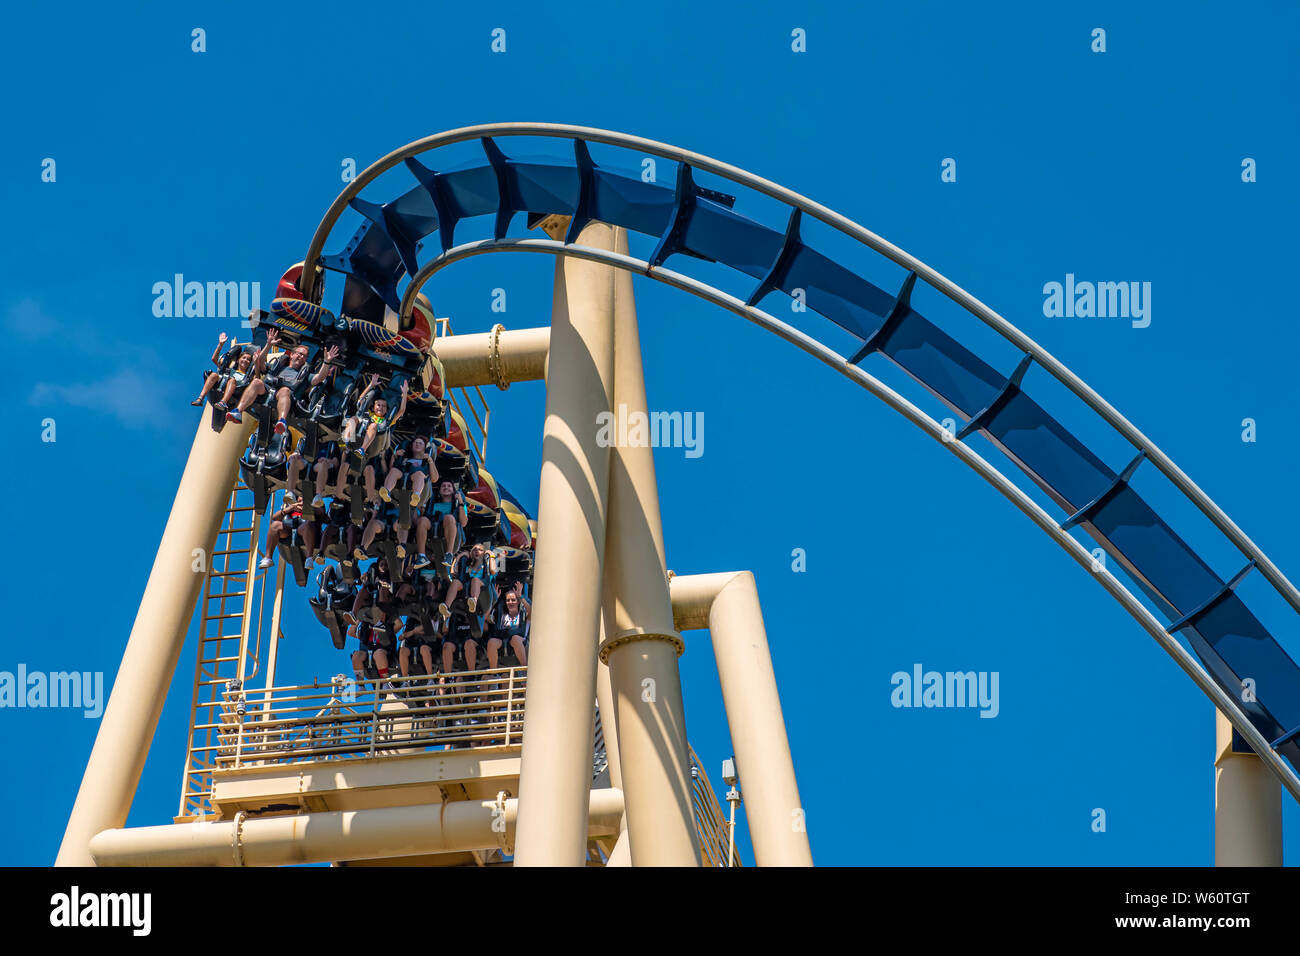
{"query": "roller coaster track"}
pixel 1235 650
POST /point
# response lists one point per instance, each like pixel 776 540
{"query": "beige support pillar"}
pixel 555 773
pixel 608 715
pixel 376 834
pixel 609 722
pixel 493 358
pixel 1247 805
pixel 641 645
pixel 620 855
pixel 727 604
pixel 127 728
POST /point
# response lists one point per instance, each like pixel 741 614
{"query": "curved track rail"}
pixel 688 219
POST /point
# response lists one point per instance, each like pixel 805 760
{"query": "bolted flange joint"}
pixel 636 634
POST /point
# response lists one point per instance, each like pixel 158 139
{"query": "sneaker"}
pixel 421 561
pixel 401 552
pixel 281 427
pixel 197 402
pixel 236 416
pixel 221 407
pixel 318 502
pixel 307 564
pixel 415 500
pixel 383 493
pixel 359 454
pixel 266 562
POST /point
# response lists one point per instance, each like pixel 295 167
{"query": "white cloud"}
pixel 28 320
pixel 129 396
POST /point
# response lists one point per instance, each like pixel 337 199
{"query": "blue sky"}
pixel 1120 166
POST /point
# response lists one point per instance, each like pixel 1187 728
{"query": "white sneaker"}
pixel 265 562
pixel 307 565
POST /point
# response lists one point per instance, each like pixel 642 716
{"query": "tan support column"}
pixel 555 772
pixel 727 604
pixel 1247 805
pixel 608 716
pixel 609 722
pixel 642 645
pixel 131 717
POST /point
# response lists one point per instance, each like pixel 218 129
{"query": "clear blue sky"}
pixel 1117 166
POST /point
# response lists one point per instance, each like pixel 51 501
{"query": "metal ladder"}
pixel 228 650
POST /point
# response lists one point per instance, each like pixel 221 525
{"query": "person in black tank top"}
pixel 511 627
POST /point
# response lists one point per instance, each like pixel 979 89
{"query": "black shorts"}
pixel 459 634
pixel 413 642
pixel 373 640
pixel 505 637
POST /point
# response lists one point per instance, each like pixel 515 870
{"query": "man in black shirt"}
pixel 286 376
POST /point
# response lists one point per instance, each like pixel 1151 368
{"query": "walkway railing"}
pixel 343 719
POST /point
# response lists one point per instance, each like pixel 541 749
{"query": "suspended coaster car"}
pixel 457 432
pixel 371 636
pixel 332 602
pixel 366 348
pixel 486 525
pixel 485 492
pixel 264 465
pixel 521 533
pixel 453 464
pixel 425 416
pixel 227 367
pixel 385 544
pixel 292 549
pixel 517 566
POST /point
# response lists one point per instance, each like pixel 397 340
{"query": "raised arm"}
pixel 259 361
pixel 326 369
pixel 369 395
pixel 216 353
